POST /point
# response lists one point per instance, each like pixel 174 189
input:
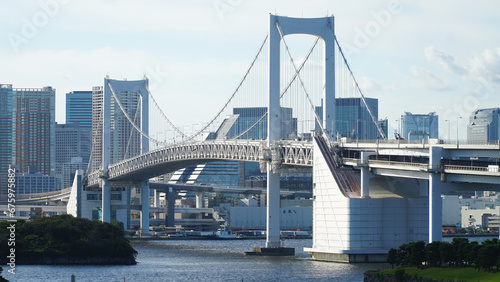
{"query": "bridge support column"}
pixel 199 199
pixel 169 217
pixel 145 207
pixel 106 201
pixel 365 180
pixel 157 198
pixel 365 175
pixel 435 202
pixel 273 209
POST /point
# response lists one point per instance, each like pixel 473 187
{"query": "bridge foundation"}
pixel 347 228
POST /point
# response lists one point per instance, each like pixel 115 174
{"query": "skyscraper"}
pixel 125 140
pixel 34 111
pixel 484 125
pixel 244 118
pixel 27 123
pixel 352 118
pixel 6 134
pixel 79 108
pixel 384 126
pixel 72 141
pixel 420 126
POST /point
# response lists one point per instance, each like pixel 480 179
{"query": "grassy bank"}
pixel 460 274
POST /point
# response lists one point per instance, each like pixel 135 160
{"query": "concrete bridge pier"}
pixel 145 207
pixel 435 202
pixel 106 201
pixel 273 210
pixel 365 174
pixel 169 217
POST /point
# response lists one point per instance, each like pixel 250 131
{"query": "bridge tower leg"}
pixel 273 134
pixel 145 207
pixel 106 154
pixel 435 202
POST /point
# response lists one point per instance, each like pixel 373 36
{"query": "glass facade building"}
pixel 484 125
pixel 7 134
pixel 244 118
pixel 420 126
pixel 79 108
pixel 353 119
pixel 72 141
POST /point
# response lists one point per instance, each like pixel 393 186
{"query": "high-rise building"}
pixel 384 126
pixel 484 125
pixel 72 141
pixel 353 119
pixel 27 124
pixel 125 140
pixel 6 134
pixel 420 126
pixel 252 117
pixel 79 108
pixel 35 129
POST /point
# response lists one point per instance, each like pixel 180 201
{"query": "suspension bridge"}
pixel 283 114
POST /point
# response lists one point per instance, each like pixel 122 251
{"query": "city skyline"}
pixel 401 54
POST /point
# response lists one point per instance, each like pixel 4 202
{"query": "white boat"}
pixel 223 234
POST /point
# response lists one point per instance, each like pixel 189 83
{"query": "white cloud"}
pixel 486 66
pixel 445 60
pixel 423 79
pixel 370 85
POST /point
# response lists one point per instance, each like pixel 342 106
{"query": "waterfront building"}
pixel 484 125
pixel 420 126
pixel 35 182
pixel 79 108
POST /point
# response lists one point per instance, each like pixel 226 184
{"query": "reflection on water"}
pixel 203 260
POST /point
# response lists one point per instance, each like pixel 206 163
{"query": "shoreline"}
pixel 139 238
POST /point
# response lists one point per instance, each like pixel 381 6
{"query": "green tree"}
pixel 417 253
pixel 447 253
pixel 392 257
pixel 473 250
pixel 403 257
pixel 433 253
pixel 461 248
pixel 487 257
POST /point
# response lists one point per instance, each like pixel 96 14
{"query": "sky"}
pixel 415 56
